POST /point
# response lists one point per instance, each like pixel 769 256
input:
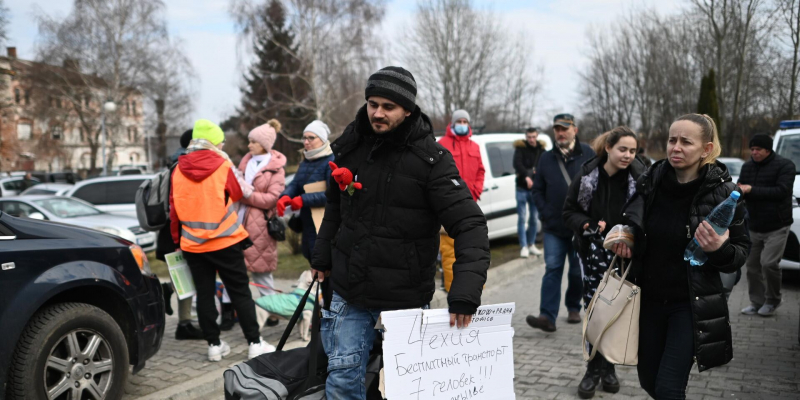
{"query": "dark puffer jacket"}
pixel 550 188
pixel 525 159
pixel 770 200
pixel 594 197
pixel 309 171
pixel 712 330
pixel 380 244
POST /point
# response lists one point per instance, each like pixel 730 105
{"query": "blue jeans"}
pixel 666 348
pixel 556 250
pixel 526 237
pixel 347 335
pixel 348 332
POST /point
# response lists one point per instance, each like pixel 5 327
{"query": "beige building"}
pixel 44 127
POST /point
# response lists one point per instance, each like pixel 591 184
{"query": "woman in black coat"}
pixel 593 206
pixel 684 315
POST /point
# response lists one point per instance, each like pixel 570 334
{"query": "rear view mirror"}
pixel 36 215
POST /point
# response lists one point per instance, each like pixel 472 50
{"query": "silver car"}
pixel 79 213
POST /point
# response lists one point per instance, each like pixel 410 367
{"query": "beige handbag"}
pixel 611 323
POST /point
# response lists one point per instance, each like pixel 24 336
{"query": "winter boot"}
pixel 187 331
pixel 609 377
pixel 591 379
pixel 227 317
pixel 166 288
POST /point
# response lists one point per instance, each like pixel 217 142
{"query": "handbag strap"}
pixel 563 169
pixel 296 315
pixel 315 341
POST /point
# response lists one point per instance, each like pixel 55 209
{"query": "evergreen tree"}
pixel 707 104
pixel 272 88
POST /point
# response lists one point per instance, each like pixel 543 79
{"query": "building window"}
pixel 27 97
pixel 24 131
pixel 58 102
pixel 57 132
pixel 135 133
pixel 86 101
pixel 133 106
pixel 128 110
pixel 82 134
pixel 17 97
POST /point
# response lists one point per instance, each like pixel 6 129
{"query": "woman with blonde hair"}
pixel 684 315
pixel 593 206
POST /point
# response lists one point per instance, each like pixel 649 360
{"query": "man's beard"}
pixel 566 144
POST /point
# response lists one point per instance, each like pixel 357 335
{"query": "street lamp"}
pixel 108 107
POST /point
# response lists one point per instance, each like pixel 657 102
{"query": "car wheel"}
pixel 69 351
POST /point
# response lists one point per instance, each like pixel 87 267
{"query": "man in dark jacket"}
pixel 766 181
pixel 526 156
pixel 392 188
pixel 554 174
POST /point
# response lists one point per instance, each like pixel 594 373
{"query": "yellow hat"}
pixel 205 129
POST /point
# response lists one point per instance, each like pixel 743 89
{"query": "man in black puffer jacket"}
pixel 391 190
pixel 767 181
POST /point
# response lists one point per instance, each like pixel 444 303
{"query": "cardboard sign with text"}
pixel 424 358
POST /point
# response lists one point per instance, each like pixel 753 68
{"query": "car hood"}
pixel 34 229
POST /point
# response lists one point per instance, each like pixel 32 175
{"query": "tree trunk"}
pixel 161 134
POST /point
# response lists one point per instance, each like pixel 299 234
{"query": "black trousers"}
pixel 229 262
pixel 666 348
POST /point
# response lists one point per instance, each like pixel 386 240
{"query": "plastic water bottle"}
pixel 719 219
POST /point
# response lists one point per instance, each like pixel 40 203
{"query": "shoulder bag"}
pixel 611 323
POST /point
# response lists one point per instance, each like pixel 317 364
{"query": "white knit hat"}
pixel 458 114
pixel 318 128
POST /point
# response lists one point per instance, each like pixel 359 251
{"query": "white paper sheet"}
pixel 424 358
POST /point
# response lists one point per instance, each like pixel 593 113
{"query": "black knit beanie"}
pixel 761 140
pixel 186 137
pixel 395 84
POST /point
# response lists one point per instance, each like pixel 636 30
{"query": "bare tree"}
pixel 169 88
pixel 100 52
pixel 336 50
pixel 789 10
pixel 462 57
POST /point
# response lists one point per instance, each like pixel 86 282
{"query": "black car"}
pixel 77 307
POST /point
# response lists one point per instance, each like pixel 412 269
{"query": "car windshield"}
pixel 734 166
pixel 789 147
pixel 67 208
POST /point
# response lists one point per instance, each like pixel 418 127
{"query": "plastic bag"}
pixel 619 234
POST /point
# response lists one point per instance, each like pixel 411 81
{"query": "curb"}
pixel 213 382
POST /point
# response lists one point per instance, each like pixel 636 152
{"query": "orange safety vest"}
pixel 206 225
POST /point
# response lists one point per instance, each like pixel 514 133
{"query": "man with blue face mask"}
pixel 467 155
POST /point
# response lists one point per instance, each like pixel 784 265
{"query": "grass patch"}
pixel 290 266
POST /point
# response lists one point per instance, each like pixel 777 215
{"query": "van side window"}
pixel 123 192
pixel 94 193
pixel 501 158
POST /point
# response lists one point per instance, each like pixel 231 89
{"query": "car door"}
pixel 500 182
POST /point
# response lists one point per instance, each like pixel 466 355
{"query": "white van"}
pixel 787 144
pixel 499 198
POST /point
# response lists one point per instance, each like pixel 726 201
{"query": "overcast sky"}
pixel 557 32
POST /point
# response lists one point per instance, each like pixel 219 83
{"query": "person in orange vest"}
pixel 206 188
pixel 467 155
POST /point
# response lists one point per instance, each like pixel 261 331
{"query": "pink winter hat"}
pixel 264 135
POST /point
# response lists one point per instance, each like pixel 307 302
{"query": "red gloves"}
pixel 297 203
pixel 343 177
pixel 282 203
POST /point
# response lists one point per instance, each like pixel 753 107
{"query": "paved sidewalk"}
pixel 766 362
pixel 179 362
